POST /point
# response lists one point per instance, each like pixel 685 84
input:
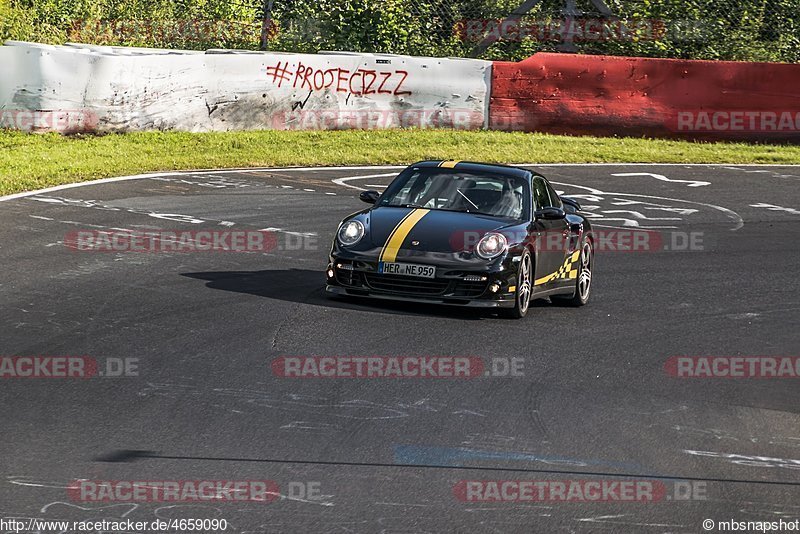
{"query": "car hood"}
pixel 424 230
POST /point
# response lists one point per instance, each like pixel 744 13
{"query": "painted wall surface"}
pixel 113 89
pixel 602 95
pixel 107 89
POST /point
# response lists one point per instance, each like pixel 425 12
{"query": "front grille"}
pixel 469 289
pixel 406 285
pixel 348 278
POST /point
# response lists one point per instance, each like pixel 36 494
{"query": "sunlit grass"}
pixel 35 161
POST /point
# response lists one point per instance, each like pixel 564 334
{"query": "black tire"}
pixel 583 283
pixel 522 299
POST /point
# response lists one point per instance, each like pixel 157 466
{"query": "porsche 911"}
pixel 465 234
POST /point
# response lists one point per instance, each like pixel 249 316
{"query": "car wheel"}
pixel 583 284
pixel 522 298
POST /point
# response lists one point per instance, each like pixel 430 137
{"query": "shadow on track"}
pixel 308 287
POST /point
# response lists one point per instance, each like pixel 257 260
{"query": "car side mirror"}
pixel 550 213
pixel 571 202
pixel 370 197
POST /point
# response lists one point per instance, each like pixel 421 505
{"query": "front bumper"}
pixel 493 287
pixel 478 303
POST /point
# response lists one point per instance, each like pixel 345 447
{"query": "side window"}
pixel 541 199
pixel 554 200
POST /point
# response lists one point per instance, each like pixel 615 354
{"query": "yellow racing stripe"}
pixel 399 234
pixel 544 279
pixel 565 271
pixel 449 164
pixel 398 225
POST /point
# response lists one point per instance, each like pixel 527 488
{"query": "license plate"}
pixel 407 269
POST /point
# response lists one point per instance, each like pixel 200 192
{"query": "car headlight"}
pixel 351 232
pixel 491 245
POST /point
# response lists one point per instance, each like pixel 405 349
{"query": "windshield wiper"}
pixel 469 212
pixel 408 205
pixel 482 213
pixel 467 199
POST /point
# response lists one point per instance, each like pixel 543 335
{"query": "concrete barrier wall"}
pixel 77 88
pixel 104 89
pixel 601 95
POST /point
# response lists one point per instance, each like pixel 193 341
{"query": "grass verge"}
pixel 30 162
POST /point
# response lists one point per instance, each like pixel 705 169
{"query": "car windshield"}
pixel 453 190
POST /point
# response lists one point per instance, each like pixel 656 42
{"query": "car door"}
pixel 551 236
pixel 566 245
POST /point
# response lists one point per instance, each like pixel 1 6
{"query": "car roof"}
pixel 473 166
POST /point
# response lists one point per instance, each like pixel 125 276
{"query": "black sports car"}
pixel 468 234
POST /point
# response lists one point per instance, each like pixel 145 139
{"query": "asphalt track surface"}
pixel 594 401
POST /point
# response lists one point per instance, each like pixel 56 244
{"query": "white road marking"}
pixel 176 217
pixel 690 183
pixel 747 460
pixel 218 183
pixel 776 175
pixel 131 507
pixel 211 172
pixel 21 480
pixel 605 519
pixel 629 202
pixel 95 205
pixel 352 168
pixel 598 195
pixel 589 198
pixel 289 232
pixel 74 202
pixel 343 181
pixel 772 207
pixel 82 184
pixel 640 215
pixel 682 211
